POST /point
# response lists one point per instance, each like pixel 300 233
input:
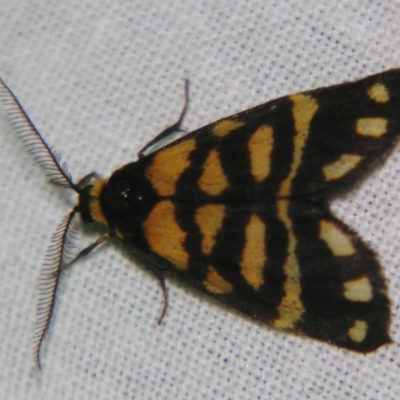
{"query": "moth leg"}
pixel 160 276
pixel 158 272
pixel 89 249
pixel 171 129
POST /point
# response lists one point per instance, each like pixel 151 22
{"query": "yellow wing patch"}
pixel 215 283
pixel 336 239
pixel 304 109
pixel 358 332
pixel 225 127
pixel 340 167
pixel 359 289
pixel 291 307
pixel 254 254
pixel 373 127
pixel 378 93
pixel 260 146
pixel 168 165
pixel 164 236
pixel 209 218
pixel 213 180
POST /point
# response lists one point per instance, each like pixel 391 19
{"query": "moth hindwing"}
pixel 239 209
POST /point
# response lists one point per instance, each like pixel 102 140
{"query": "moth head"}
pixel 89 190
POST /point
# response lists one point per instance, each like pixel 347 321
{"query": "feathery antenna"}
pixel 48 159
pixel 59 254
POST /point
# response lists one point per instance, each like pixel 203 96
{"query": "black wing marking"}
pixel 343 288
pixel 225 189
pixel 354 128
pixel 342 295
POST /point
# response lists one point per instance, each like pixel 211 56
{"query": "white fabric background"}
pixel 99 79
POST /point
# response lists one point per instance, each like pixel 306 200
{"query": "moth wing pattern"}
pixel 240 210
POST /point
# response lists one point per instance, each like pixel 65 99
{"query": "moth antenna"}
pixel 57 256
pixel 47 158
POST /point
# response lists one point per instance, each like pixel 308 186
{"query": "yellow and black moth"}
pixel 239 209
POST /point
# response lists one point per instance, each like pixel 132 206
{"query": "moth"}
pixel 239 209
